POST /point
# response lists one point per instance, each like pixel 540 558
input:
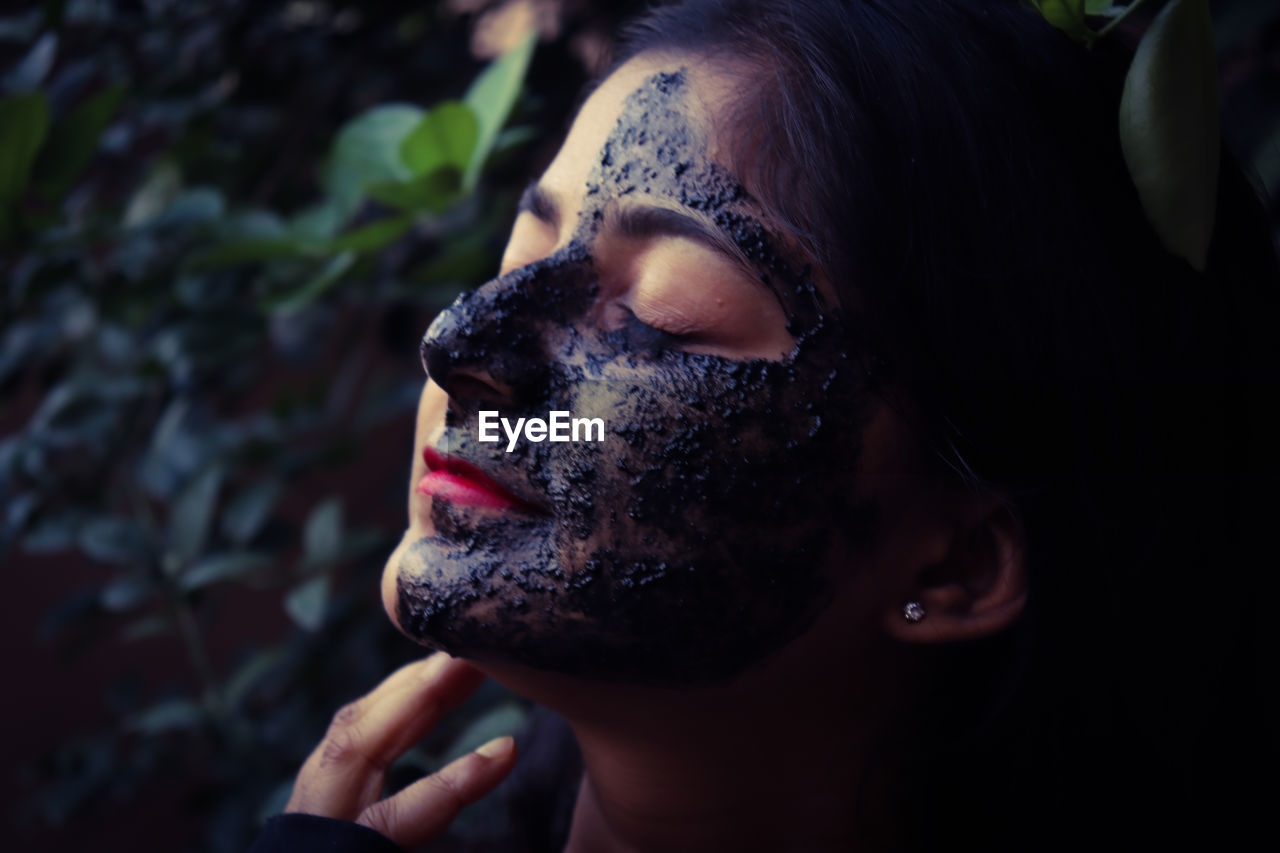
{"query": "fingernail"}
pixel 499 747
pixel 431 666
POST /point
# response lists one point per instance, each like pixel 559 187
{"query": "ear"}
pixel 974 581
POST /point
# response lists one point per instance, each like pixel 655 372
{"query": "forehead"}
pixel 616 146
pixel 694 98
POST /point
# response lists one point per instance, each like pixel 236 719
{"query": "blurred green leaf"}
pixel 318 223
pixel 236 252
pixel 430 193
pixel 1066 15
pixel 193 513
pixel 248 511
pixel 446 136
pixel 322 535
pixel 1097 7
pixel 34 67
pixel 367 151
pixel 1169 127
pixel 24 123
pixel 223 567
pixel 73 142
pixel 155 194
pixel 195 206
pixel 127 593
pixel 114 540
pixel 167 716
pixel 491 98
pixel 148 626
pixel 250 673
pixel 306 603
pixel 373 236
pixel 324 278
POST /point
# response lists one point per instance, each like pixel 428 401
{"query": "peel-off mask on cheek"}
pixel 697 536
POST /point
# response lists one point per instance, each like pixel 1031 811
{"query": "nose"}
pixel 492 342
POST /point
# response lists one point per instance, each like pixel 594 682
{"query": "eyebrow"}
pixel 643 222
pixel 539 202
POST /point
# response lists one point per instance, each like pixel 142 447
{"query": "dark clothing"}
pixel 529 812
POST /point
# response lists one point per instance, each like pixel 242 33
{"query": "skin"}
pixel 666 554
pixel 674 722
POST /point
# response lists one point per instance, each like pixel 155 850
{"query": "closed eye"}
pixel 635 334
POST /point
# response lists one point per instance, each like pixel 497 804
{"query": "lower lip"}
pixel 451 481
pixel 458 490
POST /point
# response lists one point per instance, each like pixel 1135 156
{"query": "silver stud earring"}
pixel 913 611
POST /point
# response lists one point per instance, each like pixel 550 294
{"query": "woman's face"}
pixel 642 285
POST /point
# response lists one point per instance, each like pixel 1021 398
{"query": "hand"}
pixel 343 776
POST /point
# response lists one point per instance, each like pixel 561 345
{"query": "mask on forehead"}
pixel 690 542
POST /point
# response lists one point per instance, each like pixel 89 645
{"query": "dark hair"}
pixel 955 170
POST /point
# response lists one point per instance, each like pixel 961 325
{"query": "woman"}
pixel 922 509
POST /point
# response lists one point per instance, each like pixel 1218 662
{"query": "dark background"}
pixel 202 462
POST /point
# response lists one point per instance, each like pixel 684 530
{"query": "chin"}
pixel 390 572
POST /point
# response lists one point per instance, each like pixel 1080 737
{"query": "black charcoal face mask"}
pixel 691 541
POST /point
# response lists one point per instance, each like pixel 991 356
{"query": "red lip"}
pixel 454 480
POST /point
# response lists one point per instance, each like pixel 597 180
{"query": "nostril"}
pixel 482 349
pixel 436 360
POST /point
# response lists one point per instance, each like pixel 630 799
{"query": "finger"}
pixel 345 772
pixel 423 668
pixel 425 809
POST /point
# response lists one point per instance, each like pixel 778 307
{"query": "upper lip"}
pixel 437 461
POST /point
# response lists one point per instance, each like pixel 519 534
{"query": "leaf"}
pixel 313 287
pixel 317 223
pixel 148 626
pixel 237 252
pixel 35 66
pixel 248 511
pixel 155 194
pixel 367 151
pixel 24 123
pixel 196 206
pixel 52 533
pixel 446 136
pixel 250 673
pixel 192 514
pixel 167 716
pixel 429 193
pixel 1066 15
pixel 373 236
pixel 74 141
pixel 1169 128
pixel 223 567
pixel 491 98
pixel 114 540
pixel 1097 7
pixel 322 536
pixel 306 603
pixel 126 593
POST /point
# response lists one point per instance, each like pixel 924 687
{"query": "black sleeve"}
pixel 302 833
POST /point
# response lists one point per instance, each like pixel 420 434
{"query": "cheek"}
pixel 432 405
pixel 714 473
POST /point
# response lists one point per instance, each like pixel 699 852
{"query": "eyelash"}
pixel 638 334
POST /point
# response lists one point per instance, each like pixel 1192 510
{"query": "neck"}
pixel 797 753
pixel 788 756
pixel 722 786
